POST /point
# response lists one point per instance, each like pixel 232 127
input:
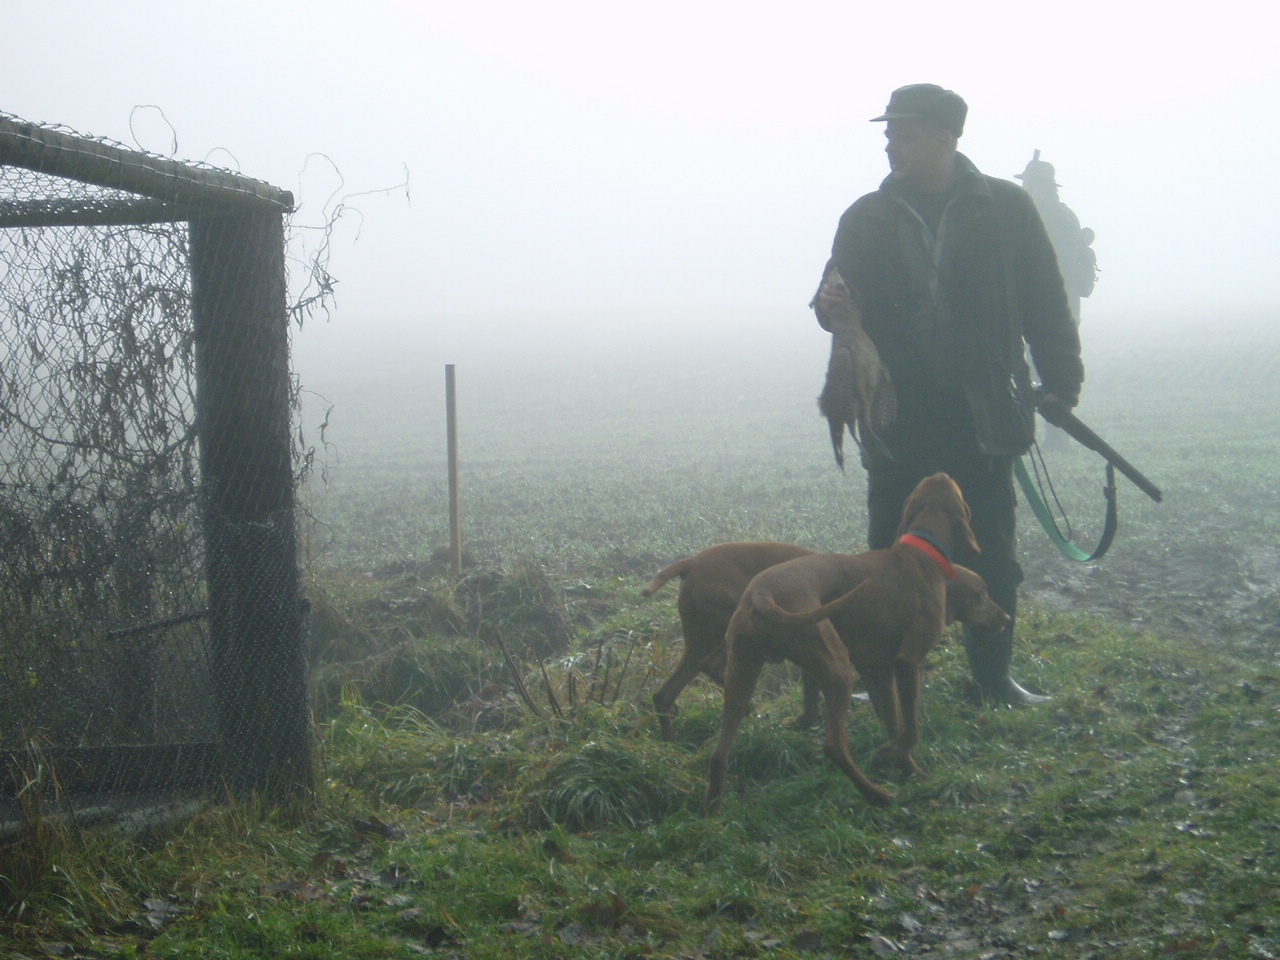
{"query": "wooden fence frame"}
pixel 240 326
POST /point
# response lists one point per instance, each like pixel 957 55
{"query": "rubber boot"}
pixel 989 657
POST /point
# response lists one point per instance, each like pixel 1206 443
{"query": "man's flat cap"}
pixel 928 102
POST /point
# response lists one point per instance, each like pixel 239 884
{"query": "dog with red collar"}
pixel 880 612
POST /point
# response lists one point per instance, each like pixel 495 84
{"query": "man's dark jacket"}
pixel 951 331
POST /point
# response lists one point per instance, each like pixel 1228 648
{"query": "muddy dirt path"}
pixel 1205 589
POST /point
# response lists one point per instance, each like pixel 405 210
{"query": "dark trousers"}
pixel 987 486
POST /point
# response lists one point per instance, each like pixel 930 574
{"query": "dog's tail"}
pixel 768 608
pixel 677 569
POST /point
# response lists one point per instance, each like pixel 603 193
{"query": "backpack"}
pixel 1087 265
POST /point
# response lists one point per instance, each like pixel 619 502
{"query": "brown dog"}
pixel 968 602
pixel 889 612
pixel 712 583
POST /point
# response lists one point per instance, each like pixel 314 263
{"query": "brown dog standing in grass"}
pixel 881 611
pixel 712 583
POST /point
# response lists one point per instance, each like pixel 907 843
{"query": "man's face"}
pixel 1041 186
pixel 918 152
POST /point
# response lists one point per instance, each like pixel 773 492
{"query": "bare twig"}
pixel 551 694
pixel 626 665
pixel 516 676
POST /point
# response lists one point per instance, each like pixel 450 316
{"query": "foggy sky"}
pixel 577 166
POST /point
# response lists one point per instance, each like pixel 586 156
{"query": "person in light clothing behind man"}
pixel 1073 244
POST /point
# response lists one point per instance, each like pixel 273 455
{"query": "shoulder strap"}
pixel 1041 510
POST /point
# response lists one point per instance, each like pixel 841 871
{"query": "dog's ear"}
pixel 962 592
pixel 961 515
pixel 962 532
pixel 910 510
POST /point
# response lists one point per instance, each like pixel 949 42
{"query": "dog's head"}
pixel 937 505
pixel 969 602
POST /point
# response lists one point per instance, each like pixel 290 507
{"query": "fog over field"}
pixel 612 216
pixel 771 364
pixel 608 165
pixel 723 435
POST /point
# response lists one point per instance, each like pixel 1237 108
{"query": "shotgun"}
pixel 1067 421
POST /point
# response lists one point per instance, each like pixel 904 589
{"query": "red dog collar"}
pixel 930 551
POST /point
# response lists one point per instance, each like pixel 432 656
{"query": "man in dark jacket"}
pixel 955 274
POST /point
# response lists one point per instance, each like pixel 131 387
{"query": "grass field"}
pixel 1136 815
pixel 640 450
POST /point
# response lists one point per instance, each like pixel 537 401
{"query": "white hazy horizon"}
pixel 595 167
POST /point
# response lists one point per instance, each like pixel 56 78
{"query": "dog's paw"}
pixel 893 757
pixel 806 721
pixel 877 796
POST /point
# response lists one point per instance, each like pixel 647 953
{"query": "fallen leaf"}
pixel 807 940
pixel 909 924
pixel 516 926
pixel 604 911
pixel 883 946
pixel 302 889
pixel 1194 829
pixel 394 875
pixel 377 828
pixel 309 932
pixel 1069 935
pixel 158 911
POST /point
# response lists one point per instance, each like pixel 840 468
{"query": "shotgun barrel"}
pixel 1067 421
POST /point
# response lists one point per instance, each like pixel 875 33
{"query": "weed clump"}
pixel 424 641
pixel 604 784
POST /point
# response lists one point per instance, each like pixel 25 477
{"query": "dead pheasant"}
pixel 858 394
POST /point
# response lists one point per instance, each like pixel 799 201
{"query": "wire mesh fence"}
pixel 148 581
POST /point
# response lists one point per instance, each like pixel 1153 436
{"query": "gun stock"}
pixel 1063 418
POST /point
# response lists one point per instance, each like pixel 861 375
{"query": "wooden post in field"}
pixel 455 520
